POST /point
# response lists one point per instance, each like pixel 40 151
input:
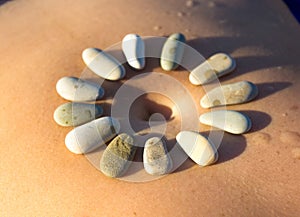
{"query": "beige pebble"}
pixel 134 50
pixel 230 94
pixel 103 64
pixel 230 121
pixel 214 67
pixel 200 149
pixel 78 90
pixel 118 155
pixel 172 52
pixel 155 157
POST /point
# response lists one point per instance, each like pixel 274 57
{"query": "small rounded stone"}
pixel 90 136
pixel 78 90
pixel 230 94
pixel 172 52
pixel 200 149
pixel 134 50
pixel 118 155
pixel 214 67
pixel 75 114
pixel 155 158
pixel 230 121
pixel 103 64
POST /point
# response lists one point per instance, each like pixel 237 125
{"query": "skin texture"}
pixel 257 174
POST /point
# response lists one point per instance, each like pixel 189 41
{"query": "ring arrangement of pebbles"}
pixel 92 131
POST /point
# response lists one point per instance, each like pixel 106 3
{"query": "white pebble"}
pixel 134 50
pixel 155 157
pixel 77 90
pixel 229 121
pixel 197 147
pixel 88 137
pixel 172 52
pixel 103 64
pixel 214 67
pixel 230 94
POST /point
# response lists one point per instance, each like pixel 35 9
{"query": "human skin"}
pixel 257 173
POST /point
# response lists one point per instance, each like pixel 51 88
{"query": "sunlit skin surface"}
pixel 257 174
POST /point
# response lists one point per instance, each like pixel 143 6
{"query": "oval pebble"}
pixel 134 50
pixel 230 121
pixel 103 64
pixel 92 135
pixel 155 157
pixel 214 67
pixel 200 149
pixel 75 114
pixel 230 94
pixel 77 90
pixel 118 155
pixel 172 52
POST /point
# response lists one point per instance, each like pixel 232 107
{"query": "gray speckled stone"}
pixel 229 94
pixel 75 114
pixel 77 90
pixel 214 67
pixel 118 155
pixel 172 52
pixel 229 121
pixel 103 64
pixel 92 135
pixel 156 158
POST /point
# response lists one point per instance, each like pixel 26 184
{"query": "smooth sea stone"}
pixel 172 52
pixel 230 94
pixel 75 114
pixel 200 149
pixel 92 135
pixel 77 90
pixel 229 121
pixel 118 155
pixel 156 158
pixel 103 64
pixel 134 50
pixel 214 67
